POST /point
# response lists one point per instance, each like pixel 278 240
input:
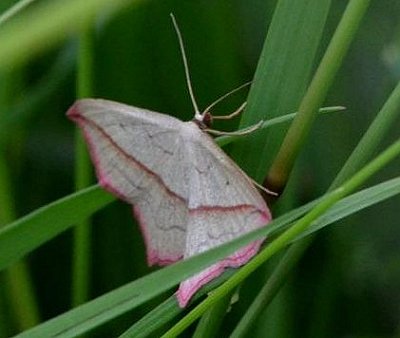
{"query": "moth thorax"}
pixel 205 121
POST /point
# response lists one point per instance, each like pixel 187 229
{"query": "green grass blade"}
pixel 281 78
pixel 362 152
pixel 23 301
pixel 154 320
pixel 46 141
pixel 104 308
pixel 20 297
pixel 316 93
pixel 151 323
pixel 116 302
pixel 211 321
pixel 270 288
pixel 81 202
pixel 289 235
pixel 356 202
pixel 372 138
pixel 296 136
pixel 29 232
pixel 350 205
pixel 17 280
pixel 83 175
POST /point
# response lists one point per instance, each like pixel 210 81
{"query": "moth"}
pixel 188 196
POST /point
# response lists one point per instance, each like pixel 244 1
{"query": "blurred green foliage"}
pixel 347 283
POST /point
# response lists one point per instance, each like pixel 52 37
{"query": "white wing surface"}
pixel 138 157
pixel 223 205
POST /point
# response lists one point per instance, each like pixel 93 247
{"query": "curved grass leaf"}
pixel 29 232
pixel 152 322
pixel 282 165
pixel 164 313
pixel 383 122
pixel 282 76
pixel 326 203
pixel 362 152
pixel 131 295
pixel 355 203
pixel 316 93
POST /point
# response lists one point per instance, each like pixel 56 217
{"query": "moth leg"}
pixel 231 115
pixel 245 131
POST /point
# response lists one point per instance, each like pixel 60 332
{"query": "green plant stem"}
pixel 285 238
pixel 316 93
pixel 82 232
pixel 20 292
pixel 281 78
pixel 17 278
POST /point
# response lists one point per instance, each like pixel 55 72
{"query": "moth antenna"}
pixel 207 110
pixel 198 115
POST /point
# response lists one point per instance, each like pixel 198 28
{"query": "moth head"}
pixel 203 120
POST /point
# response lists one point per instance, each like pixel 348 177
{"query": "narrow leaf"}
pixel 123 299
pixel 29 232
pixel 281 78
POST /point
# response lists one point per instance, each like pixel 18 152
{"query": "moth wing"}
pixel 138 155
pixel 223 205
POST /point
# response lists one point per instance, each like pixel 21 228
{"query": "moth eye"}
pixel 208 120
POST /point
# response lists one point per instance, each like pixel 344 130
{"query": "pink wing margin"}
pixel 190 286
